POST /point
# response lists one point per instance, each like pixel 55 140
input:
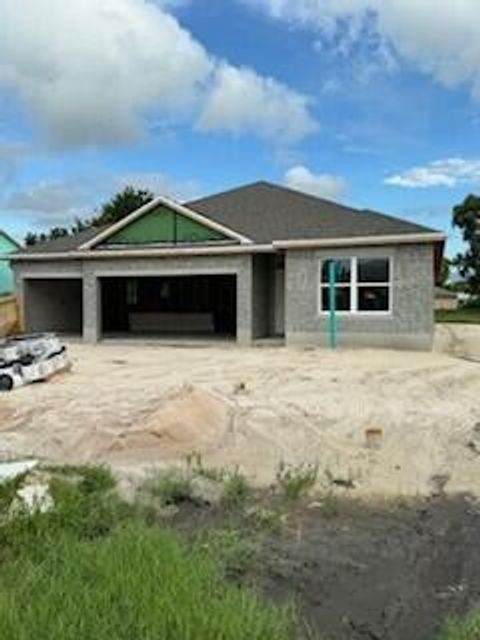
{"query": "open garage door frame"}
pixel 169 305
pixel 53 305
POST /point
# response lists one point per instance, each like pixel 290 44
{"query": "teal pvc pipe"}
pixel 332 324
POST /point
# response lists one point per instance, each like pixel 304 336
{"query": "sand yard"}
pixel 135 406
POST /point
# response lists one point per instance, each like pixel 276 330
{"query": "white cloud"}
pixel 161 184
pixel 59 202
pixel 49 197
pixel 450 172
pixel 241 100
pixel 323 185
pixel 441 38
pixel 90 72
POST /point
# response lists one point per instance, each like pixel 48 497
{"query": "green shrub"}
pixel 296 480
pixel 135 584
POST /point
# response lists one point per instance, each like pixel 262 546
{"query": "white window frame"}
pixel 355 285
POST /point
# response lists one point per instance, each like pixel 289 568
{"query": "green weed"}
pixel 296 480
pixel 235 489
pixel 168 487
pixel 233 550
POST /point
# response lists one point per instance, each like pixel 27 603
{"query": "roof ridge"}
pixel 309 196
pixel 278 187
pixel 247 185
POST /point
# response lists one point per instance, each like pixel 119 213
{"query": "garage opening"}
pixel 200 305
pixel 54 304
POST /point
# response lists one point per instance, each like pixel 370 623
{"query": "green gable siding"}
pixel 163 226
pixel 6 275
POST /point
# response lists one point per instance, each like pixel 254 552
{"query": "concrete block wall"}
pixel 53 306
pixel 410 324
pixel 262 294
pixel 91 272
pixel 50 305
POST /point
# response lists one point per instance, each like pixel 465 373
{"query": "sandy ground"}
pixel 135 406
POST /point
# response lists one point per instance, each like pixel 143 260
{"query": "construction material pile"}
pixel 30 358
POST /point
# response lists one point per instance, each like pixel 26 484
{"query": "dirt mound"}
pixel 189 419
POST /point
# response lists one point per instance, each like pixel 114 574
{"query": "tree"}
pixel 31 239
pixel 466 217
pixel 445 271
pixel 121 205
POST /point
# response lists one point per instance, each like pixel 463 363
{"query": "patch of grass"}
pixel 168 487
pixel 235 489
pixel 466 315
pixel 267 519
pixel 230 547
pixel 8 489
pixel 78 511
pixel 135 583
pixel 467 628
pixel 92 478
pixel 296 480
pixel 196 467
pixel 235 485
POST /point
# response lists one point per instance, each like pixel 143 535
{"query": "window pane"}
pixel 373 298
pixel 342 270
pixel 342 297
pixel 373 270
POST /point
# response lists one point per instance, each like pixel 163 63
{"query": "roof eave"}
pixel 102 254
pixel 361 241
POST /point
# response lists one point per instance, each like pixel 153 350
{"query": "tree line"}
pixel 121 205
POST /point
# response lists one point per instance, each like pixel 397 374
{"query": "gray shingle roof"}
pixel 60 245
pixel 266 212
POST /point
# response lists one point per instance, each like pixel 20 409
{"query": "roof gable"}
pixel 164 226
pixel 164 221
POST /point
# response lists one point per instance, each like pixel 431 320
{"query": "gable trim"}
pixel 10 239
pixel 174 206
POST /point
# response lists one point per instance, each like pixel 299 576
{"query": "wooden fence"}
pixel 9 316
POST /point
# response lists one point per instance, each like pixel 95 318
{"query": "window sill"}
pixel 358 314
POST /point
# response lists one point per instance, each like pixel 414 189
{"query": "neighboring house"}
pixel 7 246
pixel 247 263
pixel 445 300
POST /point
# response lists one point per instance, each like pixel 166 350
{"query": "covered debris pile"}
pixel 30 358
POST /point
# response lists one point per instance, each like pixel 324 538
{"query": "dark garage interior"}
pixel 200 305
pixel 54 304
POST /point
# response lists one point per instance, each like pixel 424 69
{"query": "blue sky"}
pixel 375 104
